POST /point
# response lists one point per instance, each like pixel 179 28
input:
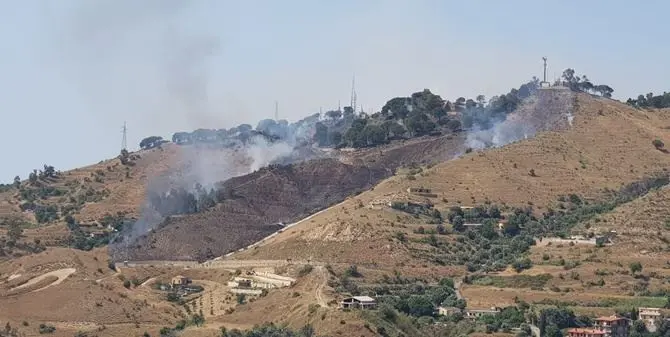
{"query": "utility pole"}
pixel 124 139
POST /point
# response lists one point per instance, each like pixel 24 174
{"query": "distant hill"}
pixel 550 202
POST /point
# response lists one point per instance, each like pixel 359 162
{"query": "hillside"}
pixel 608 145
pixel 110 186
pixel 562 164
pixel 254 203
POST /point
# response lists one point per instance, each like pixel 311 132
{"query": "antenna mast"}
pixel 124 139
pixel 276 110
pixel 353 93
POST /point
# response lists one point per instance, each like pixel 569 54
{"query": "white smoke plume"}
pixel 142 59
pixel 501 134
pixel 546 109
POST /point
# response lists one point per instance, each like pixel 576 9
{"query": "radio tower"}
pixel 544 83
pixel 124 139
pixel 353 93
pixel 276 110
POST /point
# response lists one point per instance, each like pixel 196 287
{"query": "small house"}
pixel 179 281
pixel 649 316
pixel 358 302
pixel 476 313
pixel 239 282
pixel 445 311
pixel 613 326
pixel 97 234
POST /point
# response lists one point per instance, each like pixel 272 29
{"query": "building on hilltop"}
pixel 581 332
pixel 614 326
pixel 358 302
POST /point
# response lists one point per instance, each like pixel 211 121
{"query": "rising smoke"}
pixel 546 109
pixel 140 58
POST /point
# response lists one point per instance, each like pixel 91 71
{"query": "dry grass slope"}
pixel 609 145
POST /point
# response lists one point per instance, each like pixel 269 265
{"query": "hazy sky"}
pixel 72 71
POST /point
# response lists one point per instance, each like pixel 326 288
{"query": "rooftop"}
pixel 363 298
pixel 586 331
pixel 610 318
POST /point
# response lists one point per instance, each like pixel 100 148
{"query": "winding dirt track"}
pixel 61 274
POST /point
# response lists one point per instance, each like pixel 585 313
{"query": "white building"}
pixel 362 302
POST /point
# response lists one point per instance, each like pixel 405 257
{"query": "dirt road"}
pixel 320 298
pixel 61 274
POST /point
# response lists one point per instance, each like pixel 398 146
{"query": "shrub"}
pixel 520 265
pixel 45 328
pixel 241 298
pixel 658 144
pixel 306 269
pixel 352 271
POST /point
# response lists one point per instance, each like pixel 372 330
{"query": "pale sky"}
pixel 72 71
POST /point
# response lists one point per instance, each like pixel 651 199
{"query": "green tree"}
pixel 658 144
pixel 396 107
pixel 49 171
pixel 321 134
pixel 14 224
pixel 458 223
pixel 420 306
pixel 552 331
pixel 635 267
pixel 33 177
pixel 374 135
pixel 459 105
pixel 150 142
pixel 334 114
pixel 17 182
pixel 481 100
pixel 241 298
pixel 335 138
pixel 488 229
pixel 393 129
pixel 604 90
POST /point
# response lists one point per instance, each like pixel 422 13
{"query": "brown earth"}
pixel 607 146
pixel 262 199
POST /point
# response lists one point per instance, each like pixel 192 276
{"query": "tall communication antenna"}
pixel 124 139
pixel 276 110
pixel 353 93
